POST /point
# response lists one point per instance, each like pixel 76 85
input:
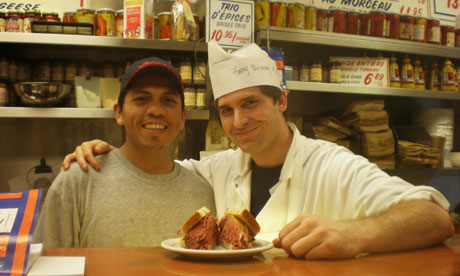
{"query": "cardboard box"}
pixel 138 19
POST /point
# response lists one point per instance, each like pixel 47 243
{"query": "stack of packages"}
pixel 368 118
pixel 416 155
pixel 332 130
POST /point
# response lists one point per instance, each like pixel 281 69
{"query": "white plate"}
pixel 218 252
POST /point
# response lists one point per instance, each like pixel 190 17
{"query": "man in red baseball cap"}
pixel 141 195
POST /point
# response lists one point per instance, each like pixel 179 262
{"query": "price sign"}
pixel 230 23
pixel 445 9
pixel 364 71
pixel 409 7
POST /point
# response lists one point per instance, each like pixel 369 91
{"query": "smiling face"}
pixel 152 113
pixel 251 119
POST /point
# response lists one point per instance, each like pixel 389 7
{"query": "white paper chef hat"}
pixel 246 67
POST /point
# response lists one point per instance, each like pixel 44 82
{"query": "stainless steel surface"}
pixel 41 93
pixel 354 41
pixel 378 91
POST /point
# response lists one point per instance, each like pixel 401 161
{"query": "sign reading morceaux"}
pixel 230 23
pixel 364 71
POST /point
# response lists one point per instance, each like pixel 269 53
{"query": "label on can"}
pixel 316 74
pixel 450 41
pixel 433 34
pixel 14 24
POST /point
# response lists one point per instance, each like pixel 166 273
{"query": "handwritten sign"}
pixel 446 10
pixel 21 5
pixel 364 71
pixel 409 7
pixel 230 23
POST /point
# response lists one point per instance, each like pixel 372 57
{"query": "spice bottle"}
pixel 189 96
pixel 304 72
pixel 335 75
pixel 448 77
pixel 395 80
pixel 325 72
pixel 200 97
pixel 199 72
pixel 185 70
pixel 316 71
pixel 407 74
pixel 434 83
pixel 419 77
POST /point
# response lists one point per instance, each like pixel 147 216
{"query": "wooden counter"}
pixel 439 260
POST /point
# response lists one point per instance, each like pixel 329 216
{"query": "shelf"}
pixel 355 41
pixel 77 113
pixel 377 91
pixel 99 41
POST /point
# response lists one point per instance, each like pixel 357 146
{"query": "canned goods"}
pixel 165 25
pixel 378 20
pixel 51 17
pixel 337 21
pixel 448 36
pixel 278 13
pixel 119 23
pixel 321 20
pixel 29 17
pixel 262 13
pixel 420 29
pixel 316 71
pixel 105 22
pixel 433 31
pixel 69 17
pixel 86 16
pixel 353 23
pixel 2 21
pixel 14 21
pixel 393 23
pixel 295 17
pixel 365 19
pixel 335 74
pixel 57 71
pixel 406 27
pixel 310 18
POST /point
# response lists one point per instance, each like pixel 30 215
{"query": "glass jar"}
pixel 69 17
pixel 262 13
pixel 278 13
pixel 434 82
pixel 420 29
pixel 300 15
pixel 365 20
pixel 185 70
pixel 189 96
pixel 321 20
pixel 105 22
pixel 165 20
pixel 57 71
pixel 44 68
pixel 14 21
pixel 378 20
pixel 406 27
pixel 335 73
pixel 419 77
pixel 353 23
pixel 2 21
pixel 337 21
pixel 407 74
pixel 448 77
pixel 70 72
pixel 29 17
pixel 325 72
pixel 12 71
pixel 433 31
pixel 392 27
pixel 395 80
pixel 448 36
pixel 86 16
pixel 310 18
pixel 200 90
pixel 51 17
pixel 316 71
pixel 21 71
pixel 304 72
pixel 199 72
pixel 290 15
pixel 195 31
pixel 119 23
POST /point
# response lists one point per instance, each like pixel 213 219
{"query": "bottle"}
pixel 434 83
pixel 407 74
pixel 316 71
pixel 395 80
pixel 448 77
pixel 201 97
pixel 189 96
pixel 335 75
pixel 419 77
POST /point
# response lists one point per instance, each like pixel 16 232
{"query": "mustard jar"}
pixel 395 80
pixel 407 74
pixel 419 76
pixel 448 77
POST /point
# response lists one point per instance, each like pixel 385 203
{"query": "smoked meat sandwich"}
pixel 238 227
pixel 200 230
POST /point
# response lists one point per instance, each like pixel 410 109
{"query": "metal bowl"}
pixel 41 93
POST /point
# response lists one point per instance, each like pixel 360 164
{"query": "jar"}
pixel 278 13
pixel 395 80
pixel 353 23
pixel 378 20
pixel 51 17
pixel 180 29
pixel 29 17
pixel 325 72
pixel 365 20
pixel 3 68
pixel 420 29
pixel 304 72
pixel 316 71
pixel 155 27
pixel 165 25
pixel 185 70
pixel 195 31
pixel 200 90
pixel 419 77
pixel 119 23
pixel 86 16
pixel 14 21
pixel 290 15
pixel 199 72
pixel 407 74
pixel 262 13
pixel 105 22
pixel 335 75
pixel 21 71
pixel 406 27
pixel 310 18
pixel 337 21
pixel 448 36
pixel 393 23
pixel 69 17
pixel 57 71
pixel 12 71
pixel 44 71
pixel 2 21
pixel 288 72
pixel 448 77
pixel 433 31
pixel 321 20
pixel 70 72
pixel 300 15
pixel 189 96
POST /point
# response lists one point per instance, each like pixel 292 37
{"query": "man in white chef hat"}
pixel 314 198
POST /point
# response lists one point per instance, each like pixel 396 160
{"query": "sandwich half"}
pixel 200 231
pixel 238 227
